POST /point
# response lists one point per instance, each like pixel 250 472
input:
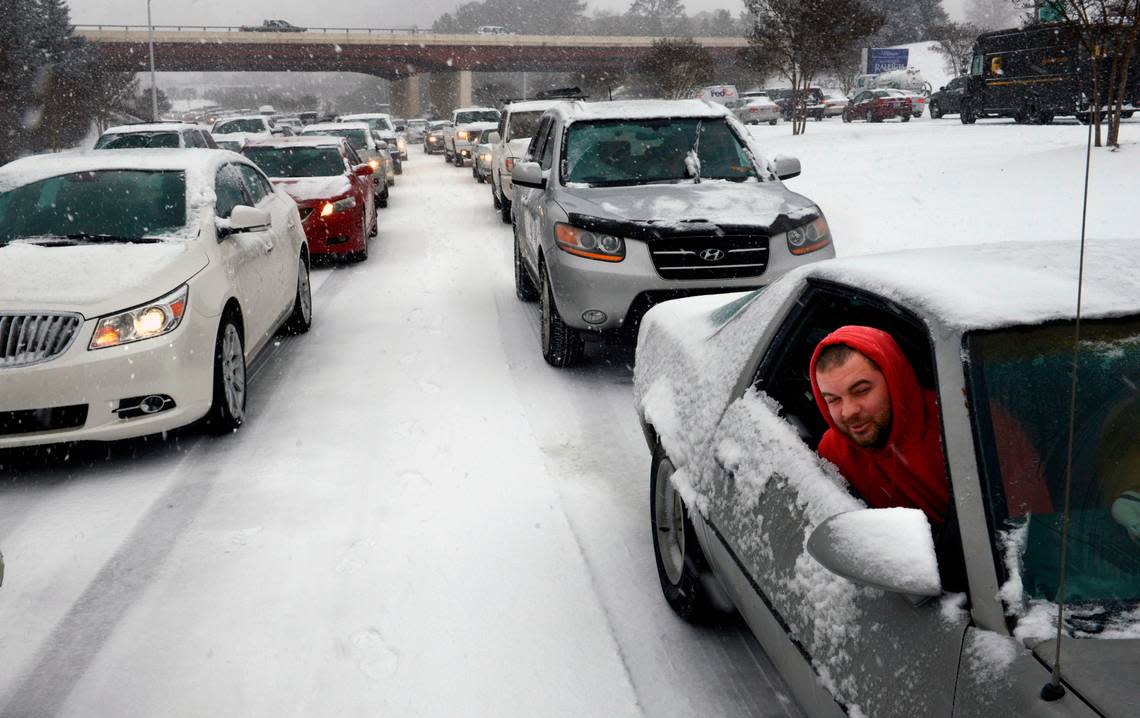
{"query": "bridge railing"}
pixel 259 30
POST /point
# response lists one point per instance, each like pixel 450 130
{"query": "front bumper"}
pixel 333 235
pixel 617 289
pixel 179 365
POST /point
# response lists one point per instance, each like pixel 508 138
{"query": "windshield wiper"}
pixel 95 237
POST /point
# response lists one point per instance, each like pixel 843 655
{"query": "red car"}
pixel 878 105
pixel 331 185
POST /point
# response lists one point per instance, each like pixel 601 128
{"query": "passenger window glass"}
pixel 534 150
pixel 228 188
pixel 257 185
pixel 552 136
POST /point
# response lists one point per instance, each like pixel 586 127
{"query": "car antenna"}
pixel 1053 690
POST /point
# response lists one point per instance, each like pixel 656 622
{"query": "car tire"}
pixel 681 566
pixel 524 285
pixel 400 168
pixel 361 254
pixel 561 344
pixel 301 318
pixel 505 210
pixel 227 413
pixel 494 194
pixel 846 116
pixel 457 159
pixel 383 199
pixel 935 113
pixel 967 114
pixel 375 225
pixel 906 117
pixel 772 122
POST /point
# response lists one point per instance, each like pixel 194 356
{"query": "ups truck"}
pixel 1036 73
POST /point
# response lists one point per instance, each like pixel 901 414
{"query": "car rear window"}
pixel 297 161
pixel 249 125
pixel 477 116
pixel 134 140
pixel 107 204
pixel 357 138
pixel 523 124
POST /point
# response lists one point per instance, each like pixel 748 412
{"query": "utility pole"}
pixel 153 85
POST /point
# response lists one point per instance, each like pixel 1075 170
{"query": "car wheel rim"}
pixel 233 371
pixel 669 511
pixel 304 292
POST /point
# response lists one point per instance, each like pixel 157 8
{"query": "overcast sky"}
pixel 329 13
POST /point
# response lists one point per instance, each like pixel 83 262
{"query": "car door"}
pixel 530 210
pixel 281 252
pixel 245 255
pixel 872 650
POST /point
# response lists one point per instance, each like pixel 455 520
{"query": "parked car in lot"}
pixel 755 110
pixel 434 137
pixel 331 185
pixel 370 148
pixel 134 289
pixel 878 105
pixel 948 99
pixel 782 96
pixel 481 156
pixel 517 124
pixel 453 143
pixel 622 204
pixel 918 101
pixel 154 134
pixel 832 105
pixel 871 611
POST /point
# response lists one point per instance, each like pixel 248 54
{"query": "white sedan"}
pixel 134 288
pixel 757 110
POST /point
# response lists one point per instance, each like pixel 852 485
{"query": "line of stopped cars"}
pixel 139 279
pixel 617 206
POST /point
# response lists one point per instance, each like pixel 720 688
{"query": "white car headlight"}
pixel 809 237
pixel 150 320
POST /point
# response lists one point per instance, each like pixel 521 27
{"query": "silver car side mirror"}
pixel 786 167
pixel 494 138
pixel 245 219
pixel 888 549
pixel 528 174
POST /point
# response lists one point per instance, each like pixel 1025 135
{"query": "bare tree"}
pixel 993 14
pixel 804 37
pixel 676 68
pixel 956 45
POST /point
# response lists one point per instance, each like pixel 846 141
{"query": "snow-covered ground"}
pixel 423 519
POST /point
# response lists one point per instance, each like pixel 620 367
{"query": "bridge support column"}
pixel 465 98
pixel 405 96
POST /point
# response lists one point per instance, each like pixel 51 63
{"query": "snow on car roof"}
pixel 296 141
pixel 326 126
pixel 638 109
pixel 480 126
pixel 476 109
pixel 1001 284
pixel 531 105
pixel 365 116
pixel 152 127
pixel 242 117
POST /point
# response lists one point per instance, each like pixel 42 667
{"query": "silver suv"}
pixel 620 205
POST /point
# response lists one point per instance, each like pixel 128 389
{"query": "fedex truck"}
pixel 724 94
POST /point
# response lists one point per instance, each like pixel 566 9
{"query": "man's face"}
pixel 858 399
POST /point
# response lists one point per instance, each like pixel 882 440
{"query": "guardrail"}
pixel 259 29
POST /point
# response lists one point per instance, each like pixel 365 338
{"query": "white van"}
pixel 723 94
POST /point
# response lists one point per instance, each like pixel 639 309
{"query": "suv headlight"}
pixel 148 321
pixel 461 135
pixel 591 245
pixel 809 237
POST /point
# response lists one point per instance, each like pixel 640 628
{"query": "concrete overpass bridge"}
pixel 402 55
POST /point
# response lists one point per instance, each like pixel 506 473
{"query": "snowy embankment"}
pixel 933 183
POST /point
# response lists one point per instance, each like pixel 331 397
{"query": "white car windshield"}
pixel 101 205
pixel 624 152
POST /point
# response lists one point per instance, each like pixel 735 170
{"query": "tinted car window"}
pixel 249 125
pixel 134 140
pixel 523 124
pixel 533 151
pixel 357 138
pixel 297 161
pixel 548 147
pixel 257 186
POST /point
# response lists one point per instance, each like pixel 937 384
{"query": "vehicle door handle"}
pixel 269 249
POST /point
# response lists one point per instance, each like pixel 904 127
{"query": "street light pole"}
pixel 153 86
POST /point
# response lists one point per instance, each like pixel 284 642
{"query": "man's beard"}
pixel 875 438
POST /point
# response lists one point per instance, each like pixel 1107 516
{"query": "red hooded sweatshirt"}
pixel 909 470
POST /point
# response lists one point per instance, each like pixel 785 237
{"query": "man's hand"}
pixel 1126 512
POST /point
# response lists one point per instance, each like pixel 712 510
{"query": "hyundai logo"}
pixel 712 254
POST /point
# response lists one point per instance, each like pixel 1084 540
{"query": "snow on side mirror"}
pixel 786 167
pixel 493 138
pixel 888 549
pixel 528 174
pixel 245 219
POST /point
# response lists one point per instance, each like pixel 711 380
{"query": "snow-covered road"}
pixel 421 518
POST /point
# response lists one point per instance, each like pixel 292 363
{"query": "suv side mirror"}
pixel 363 170
pixel 528 174
pixel 786 167
pixel 888 549
pixel 244 218
pixel 494 138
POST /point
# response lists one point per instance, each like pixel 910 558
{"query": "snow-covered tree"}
pixel 657 17
pixel 993 14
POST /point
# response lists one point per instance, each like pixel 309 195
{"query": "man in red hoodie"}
pixel 884 432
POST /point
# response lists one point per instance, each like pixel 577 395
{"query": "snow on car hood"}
pixel 713 201
pixel 309 189
pixel 93 279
